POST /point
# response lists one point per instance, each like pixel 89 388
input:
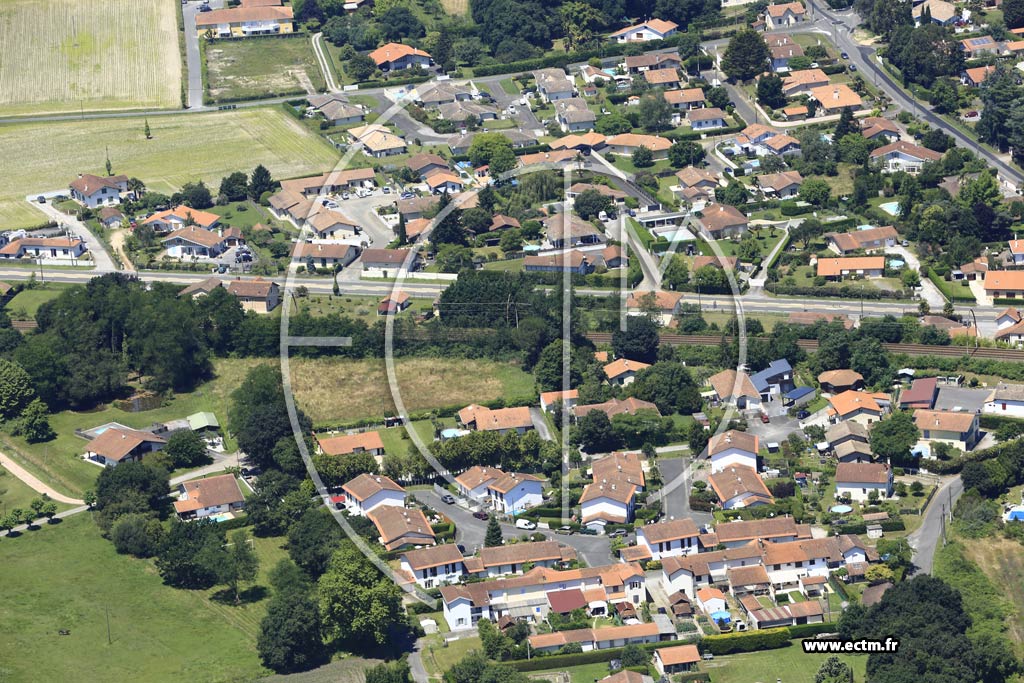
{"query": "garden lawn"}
pixel 68 577
pixel 788 663
pixel 253 214
pixel 586 673
pixel 437 658
pixel 217 143
pixel 26 302
pixel 15 494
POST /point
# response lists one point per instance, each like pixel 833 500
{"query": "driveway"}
pixel 193 62
pixel 678 475
pixel 33 483
pixel 540 424
pixel 926 538
pixel 929 292
pixel 99 254
pixel 363 211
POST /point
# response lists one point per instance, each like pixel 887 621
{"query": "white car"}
pixel 523 101
pixel 525 524
pixel 512 109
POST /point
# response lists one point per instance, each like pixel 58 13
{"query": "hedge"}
pixel 809 630
pixel 794 209
pixel 747 641
pixel 994 422
pixel 857 528
pixel 392 82
pixel 842 292
pixel 949 289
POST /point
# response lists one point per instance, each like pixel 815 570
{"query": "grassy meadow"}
pixel 252 69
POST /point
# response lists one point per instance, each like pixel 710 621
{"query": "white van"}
pixel 522 523
pixel 602 216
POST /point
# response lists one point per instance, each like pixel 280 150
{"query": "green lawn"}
pixel 509 265
pixel 253 214
pixel 361 307
pixel 57 462
pixel 499 124
pixel 250 69
pixel 14 494
pixel 438 656
pixel 509 86
pixel 183 148
pixel 68 577
pixel 789 664
pixel 26 302
pixel 587 673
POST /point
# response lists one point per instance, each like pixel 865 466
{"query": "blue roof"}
pixel 798 393
pixel 774 369
pixel 1017 515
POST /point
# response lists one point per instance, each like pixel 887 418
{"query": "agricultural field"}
pixel 261 67
pixel 324 388
pixel 183 147
pixel 456 7
pixel 69 55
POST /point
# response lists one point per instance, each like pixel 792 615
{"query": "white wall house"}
pixel 434 566
pixel 667 539
pixel 607 503
pixel 733 448
pixel 1005 399
pixel 655 29
pixel 92 191
pixel 513 493
pixel 858 479
pixel 369 491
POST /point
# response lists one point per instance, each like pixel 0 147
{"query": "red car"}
pixel 765 418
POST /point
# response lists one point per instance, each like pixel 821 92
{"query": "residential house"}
pixel 921 394
pixel 518 558
pixel 65 248
pixel 690 574
pixel 711 600
pixel 733 448
pixel 1005 399
pixel 242 22
pixel 401 527
pixel 980 46
pixel 976 76
pixel 607 502
pixel 858 479
pixel 627 676
pixel 515 492
pixel 259 295
pixel 434 566
pixel 473 482
pixel 870 240
pixel 784 15
pixel 959 429
pixel 940 11
pixel 782 185
pixel 598 639
pixel 444 92
pixel 615 406
pixel 336 109
pixel 201 498
pixel 733 387
pixel 667 538
pixel 740 532
pixel 568 398
pixel 460 112
pixel 386 263
pixel 394 303
pixel 839 381
pixel 110 217
pixel 416 207
pixel 753 580
pixel 903 156
pixel 708 118
pixel 194 242
pixel 781 49
pixel 879 128
pixel 1008 318
pixel 443 182
pixel 553 84
pixel 553 157
pixel 836 97
pixel 332 182
pixel 617 196
pixel 565 231
pixel 803 81
pixel 424 164
pixel 739 487
pixel 625 144
pixel 201 288
pixel 722 220
pixel 857 406
pixel 623 371
pixel 332 225
pixel 367 492
pixel 117 445
pixel 377 141
pixel 686 99
pixel 851 266
pixel 395 57
pixel 1017 251
pixel 853 451
pixel 180 216
pixel 350 444
pixel 677 659
pixel 501 420
pixel 573 261
pixel 797 112
pixel 635 64
pixel 699 179
pixel 1001 284
pixel 325 254
pixel 583 143
pixel 653 29
pixel 93 191
pixel 574 115
pixel 613 256
pixel 664 304
pixel 667 78
pixel 971 270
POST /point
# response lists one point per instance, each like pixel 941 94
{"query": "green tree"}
pixel 190 554
pixel 892 439
pixel 746 56
pixel 834 670
pixel 769 91
pixel 360 67
pixel 854 148
pixel 485 145
pixel 846 124
pixel 655 113
pixel 642 157
pixel 613 124
pixel 234 187
pixel 34 423
pixel 717 96
pixel 186 449
pixel 734 194
pixel 448 229
pixel 502 161
pixel 359 607
pixel 260 181
pixel 258 416
pixel 239 564
pixel 289 637
pixel 581 24
pixel 685 153
pixel 145 129
pixel 590 203
pixel 1013 13
pixel 390 672
pixel 634 655
pixel 807 230
pixel 639 341
pixel 15 389
pixel 815 191
pixel 595 433
pixel 137 534
pixel 677 273
pixel 943 96
pixel 194 195
pixel 313 539
pixel 131 487
pixel 493 536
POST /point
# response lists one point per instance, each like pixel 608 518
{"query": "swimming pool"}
pixel 841 509
pixel 891 208
pixel 223 517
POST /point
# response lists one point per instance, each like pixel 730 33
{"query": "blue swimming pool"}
pixel 841 509
pixel 891 208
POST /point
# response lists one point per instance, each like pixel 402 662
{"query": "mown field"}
pixel 264 67
pixel 335 391
pixel 183 148
pixel 67 577
pixel 70 55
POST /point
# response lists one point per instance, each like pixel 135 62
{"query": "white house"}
pixel 957 428
pixel 211 496
pixel 434 566
pixel 654 29
pixel 44 247
pixel 193 241
pixel 370 491
pixel 607 502
pixel 516 558
pixel 858 479
pixel 120 444
pixel 623 371
pixel 473 482
pixel 711 600
pixel 739 487
pixel 783 15
pixel 707 118
pixel 903 156
pixel 733 448
pixel 92 191
pixel 568 398
pixel 553 84
pixel 665 539
pixel 1005 399
pixel 515 492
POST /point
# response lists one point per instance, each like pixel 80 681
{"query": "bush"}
pixel 748 641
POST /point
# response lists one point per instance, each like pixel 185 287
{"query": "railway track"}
pixel 812 344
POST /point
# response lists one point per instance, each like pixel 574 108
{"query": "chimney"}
pixel 835 94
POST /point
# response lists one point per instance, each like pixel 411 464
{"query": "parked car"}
pixel 480 514
pixel 448 499
pixel 765 419
pixel 803 414
pixel 906 243
pixel 844 55
pixel 522 523
pixel 205 8
pixel 853 67
pixel 344 195
pixel 407 195
pixel 618 533
pixel 587 531
pixel 387 189
pixel 565 530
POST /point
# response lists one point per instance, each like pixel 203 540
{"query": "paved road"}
pixel 926 539
pixel 193 61
pixel 678 474
pixel 33 482
pixel 540 424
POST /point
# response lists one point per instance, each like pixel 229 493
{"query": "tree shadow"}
pixel 55 520
pixel 247 597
